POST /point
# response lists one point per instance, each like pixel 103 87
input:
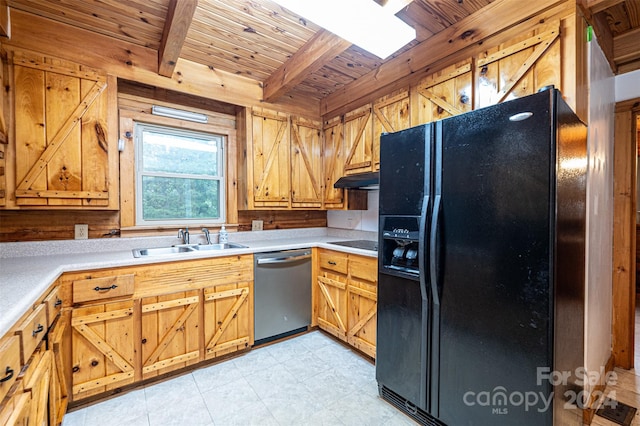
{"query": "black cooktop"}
pixel 360 244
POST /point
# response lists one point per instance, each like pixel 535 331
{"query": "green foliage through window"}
pixel 179 176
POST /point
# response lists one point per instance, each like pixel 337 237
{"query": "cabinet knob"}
pixel 331 262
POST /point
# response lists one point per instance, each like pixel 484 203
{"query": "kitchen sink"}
pixel 185 248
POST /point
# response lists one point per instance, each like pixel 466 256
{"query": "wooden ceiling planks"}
pixel 136 22
pixel 256 38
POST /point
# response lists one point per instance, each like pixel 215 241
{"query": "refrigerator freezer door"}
pixel 404 170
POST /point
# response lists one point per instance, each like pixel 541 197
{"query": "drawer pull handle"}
pixel 106 288
pixel 9 375
pixel 40 329
pixel 331 262
pixel 58 302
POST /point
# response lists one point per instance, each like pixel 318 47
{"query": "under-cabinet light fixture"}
pixel 362 22
pixel 180 114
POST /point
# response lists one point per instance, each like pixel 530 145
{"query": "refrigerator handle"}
pixel 422 246
pixel 433 250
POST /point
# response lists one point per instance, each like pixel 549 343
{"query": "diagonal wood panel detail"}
pixel 305 158
pixel 282 126
pixel 60 137
pixel 170 334
pixel 526 66
pixel 322 284
pixel 439 102
pixel 362 126
pixel 242 295
pixel 104 347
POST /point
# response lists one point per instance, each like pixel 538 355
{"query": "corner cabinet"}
pixel 346 298
pixel 64 147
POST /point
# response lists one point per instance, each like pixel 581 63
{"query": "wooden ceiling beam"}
pixel 313 55
pixel 493 18
pixel 596 6
pixel 176 26
pixel 625 47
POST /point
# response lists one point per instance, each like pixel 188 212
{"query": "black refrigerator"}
pixel 481 266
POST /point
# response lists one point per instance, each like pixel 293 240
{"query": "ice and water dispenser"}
pixel 399 244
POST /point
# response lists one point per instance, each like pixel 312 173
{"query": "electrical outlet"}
pixel 256 225
pixel 82 232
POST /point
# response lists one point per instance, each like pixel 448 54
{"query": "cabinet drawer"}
pixel 102 288
pixel 334 262
pixel 54 305
pixel 9 364
pixel 363 269
pixel 31 332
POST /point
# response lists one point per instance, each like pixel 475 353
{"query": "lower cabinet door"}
pixel 228 318
pixel 37 380
pixel 363 307
pixel 170 332
pixel 332 303
pixel 103 349
pixel 16 410
pixel 59 388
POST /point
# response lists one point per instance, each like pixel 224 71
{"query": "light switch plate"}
pixel 82 231
pixel 256 225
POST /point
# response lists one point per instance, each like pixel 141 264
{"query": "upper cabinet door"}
pixel 390 114
pixel 306 163
pixel 358 140
pixel 333 163
pixel 63 154
pixel 271 185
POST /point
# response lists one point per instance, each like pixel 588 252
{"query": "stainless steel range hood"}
pixel 367 180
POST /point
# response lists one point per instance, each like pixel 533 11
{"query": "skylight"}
pixel 362 22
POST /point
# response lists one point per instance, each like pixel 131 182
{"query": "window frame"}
pixel 139 127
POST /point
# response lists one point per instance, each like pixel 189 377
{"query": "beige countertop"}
pixel 28 269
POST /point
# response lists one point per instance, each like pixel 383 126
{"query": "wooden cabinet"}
pixel 391 113
pixel 306 163
pixel 284 161
pixel 362 302
pixel 103 347
pixel 9 364
pixel 64 147
pixel 170 332
pixel 59 388
pixel 138 322
pixel 268 156
pixel 333 163
pixel 346 298
pixel 331 312
pixel 358 140
pixel 228 319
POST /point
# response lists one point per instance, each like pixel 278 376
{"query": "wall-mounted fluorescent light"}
pixel 362 22
pixel 178 113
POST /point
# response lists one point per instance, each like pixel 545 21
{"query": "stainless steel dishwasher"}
pixel 282 293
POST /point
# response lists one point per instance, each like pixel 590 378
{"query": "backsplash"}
pixel 362 220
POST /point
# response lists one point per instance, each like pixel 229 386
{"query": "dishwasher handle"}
pixel 284 259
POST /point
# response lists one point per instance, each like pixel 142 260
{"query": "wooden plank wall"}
pixel 282 219
pixel 33 225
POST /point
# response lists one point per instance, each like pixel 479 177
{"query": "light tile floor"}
pixel 307 380
pixel 626 386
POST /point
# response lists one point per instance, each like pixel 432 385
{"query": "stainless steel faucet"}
pixel 207 235
pixel 184 234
